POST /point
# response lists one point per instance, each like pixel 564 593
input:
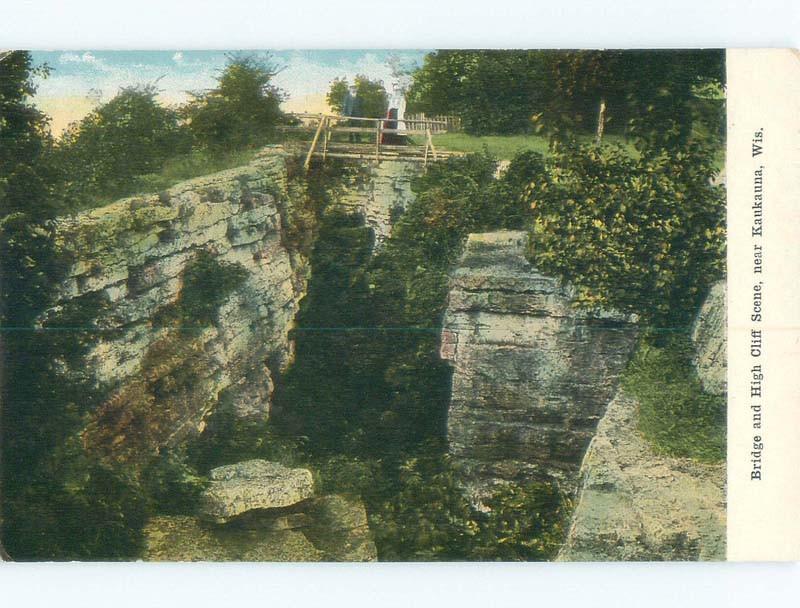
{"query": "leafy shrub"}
pixel 131 135
pixel 172 484
pixel 242 110
pixel 71 507
pixel 642 235
pixel 428 517
pixel 207 283
pixel 524 522
pixel 675 415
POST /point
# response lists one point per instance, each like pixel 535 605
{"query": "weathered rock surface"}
pixel 710 335
pixel 129 263
pixel 338 526
pixel 253 484
pixel 177 538
pixel 532 375
pixel 383 196
pixel 328 528
pixel 637 505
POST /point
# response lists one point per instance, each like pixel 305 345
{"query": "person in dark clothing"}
pixel 352 107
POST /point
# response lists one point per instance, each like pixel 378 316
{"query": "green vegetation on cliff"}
pixel 368 391
pixel 365 400
pixel 675 415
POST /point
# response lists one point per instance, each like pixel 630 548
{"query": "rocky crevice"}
pixel 382 196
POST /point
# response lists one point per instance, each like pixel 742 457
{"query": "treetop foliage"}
pixel 371 99
pixel 128 136
pixel 516 91
pixel 242 110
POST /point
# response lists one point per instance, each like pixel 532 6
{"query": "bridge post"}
pixel 378 140
pixel 322 121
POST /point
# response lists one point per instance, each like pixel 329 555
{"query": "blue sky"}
pixel 80 79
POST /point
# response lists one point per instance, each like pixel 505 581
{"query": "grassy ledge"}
pixel 675 415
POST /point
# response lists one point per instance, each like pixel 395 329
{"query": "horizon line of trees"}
pixel 569 92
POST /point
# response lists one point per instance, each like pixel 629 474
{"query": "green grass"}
pixel 175 170
pixel 187 166
pixel 505 147
pixel 675 415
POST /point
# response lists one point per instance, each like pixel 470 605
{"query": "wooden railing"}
pixel 325 126
pixel 440 123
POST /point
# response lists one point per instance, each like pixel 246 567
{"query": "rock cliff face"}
pixel 709 335
pixel 532 374
pixel 163 375
pixel 383 196
pixel 637 505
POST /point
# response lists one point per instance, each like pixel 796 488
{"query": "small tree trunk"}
pixel 601 119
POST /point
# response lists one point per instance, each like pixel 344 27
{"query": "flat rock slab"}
pixel 179 538
pixel 253 484
pixel 329 528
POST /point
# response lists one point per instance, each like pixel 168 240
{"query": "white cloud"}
pixel 178 57
pixel 86 58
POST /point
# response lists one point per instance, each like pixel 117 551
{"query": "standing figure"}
pixel 352 107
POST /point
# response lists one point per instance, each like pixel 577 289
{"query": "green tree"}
pixel 501 91
pixel 644 235
pixel 131 135
pixel 651 94
pixel 371 99
pixel 243 110
pixel 24 139
pixel 27 192
pixel 25 204
pixel 492 91
pixel 337 94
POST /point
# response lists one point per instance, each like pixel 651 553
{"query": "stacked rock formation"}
pixel 263 511
pixel 532 373
pixel 131 258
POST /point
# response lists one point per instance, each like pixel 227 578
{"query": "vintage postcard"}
pixel 408 305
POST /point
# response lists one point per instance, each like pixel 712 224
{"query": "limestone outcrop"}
pixel 383 195
pixel 532 374
pixel 253 484
pixel 327 528
pixel 635 504
pixel 710 335
pixel 162 374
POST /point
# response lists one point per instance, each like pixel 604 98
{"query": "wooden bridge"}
pixel 377 131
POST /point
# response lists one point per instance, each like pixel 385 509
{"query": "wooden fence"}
pixel 440 123
pixel 325 126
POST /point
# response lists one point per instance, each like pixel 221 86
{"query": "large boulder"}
pixel 338 526
pixel 709 335
pixel 253 484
